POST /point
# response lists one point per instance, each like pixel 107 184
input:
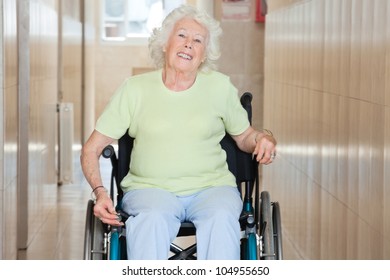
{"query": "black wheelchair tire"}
pixel 277 227
pixel 93 236
pixel 266 227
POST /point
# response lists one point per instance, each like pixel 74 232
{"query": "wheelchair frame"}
pixel 260 221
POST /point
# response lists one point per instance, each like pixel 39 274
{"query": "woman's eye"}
pixel 198 40
pixel 181 35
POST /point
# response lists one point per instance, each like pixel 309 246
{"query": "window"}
pixel 124 20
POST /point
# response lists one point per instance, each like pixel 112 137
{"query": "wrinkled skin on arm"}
pixel 104 208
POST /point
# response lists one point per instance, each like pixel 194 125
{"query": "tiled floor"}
pixel 62 235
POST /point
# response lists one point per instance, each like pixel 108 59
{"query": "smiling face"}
pixel 186 46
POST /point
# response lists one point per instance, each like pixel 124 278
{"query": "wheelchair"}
pixel 261 234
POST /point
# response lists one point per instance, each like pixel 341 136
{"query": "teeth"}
pixel 186 56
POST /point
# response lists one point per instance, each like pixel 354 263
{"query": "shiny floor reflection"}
pixel 62 235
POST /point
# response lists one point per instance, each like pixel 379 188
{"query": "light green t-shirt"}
pixel 177 134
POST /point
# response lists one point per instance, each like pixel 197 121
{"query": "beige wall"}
pixel 42 178
pixel 9 92
pixel 44 87
pixel 42 125
pixel 88 103
pixel 242 46
pixel 327 73
pixel 71 61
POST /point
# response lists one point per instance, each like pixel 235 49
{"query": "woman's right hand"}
pixel 105 211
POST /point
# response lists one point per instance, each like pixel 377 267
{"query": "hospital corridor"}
pixel 319 75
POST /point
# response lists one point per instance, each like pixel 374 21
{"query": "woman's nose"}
pixel 188 44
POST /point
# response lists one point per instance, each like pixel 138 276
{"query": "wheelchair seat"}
pixel 260 222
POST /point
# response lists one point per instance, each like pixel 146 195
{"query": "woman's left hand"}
pixel 265 150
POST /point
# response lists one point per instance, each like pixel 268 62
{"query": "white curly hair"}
pixel 160 36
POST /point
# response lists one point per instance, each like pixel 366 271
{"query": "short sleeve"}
pixel 116 116
pixel 236 117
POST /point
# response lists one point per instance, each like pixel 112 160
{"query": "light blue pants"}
pixel 156 215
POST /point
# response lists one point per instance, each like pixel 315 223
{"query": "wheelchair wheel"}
pixel 277 228
pixel 94 236
pixel 266 227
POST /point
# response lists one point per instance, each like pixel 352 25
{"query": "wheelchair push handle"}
pixel 108 151
pixel 246 102
pixel 246 99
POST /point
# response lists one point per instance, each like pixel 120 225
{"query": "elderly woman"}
pixel 178 115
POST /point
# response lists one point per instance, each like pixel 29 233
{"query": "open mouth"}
pixel 184 55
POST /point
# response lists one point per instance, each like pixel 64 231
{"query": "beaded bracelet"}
pixel 93 191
